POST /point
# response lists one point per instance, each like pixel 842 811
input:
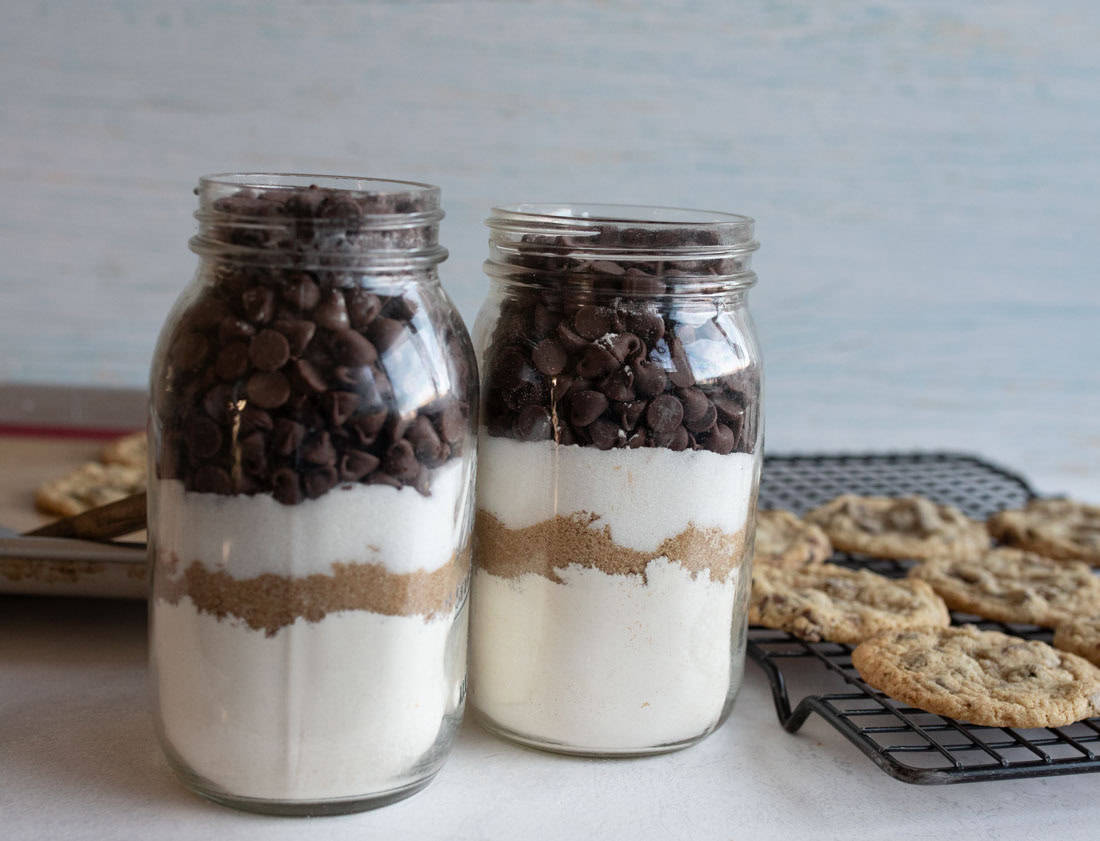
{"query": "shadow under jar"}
pixel 311 497
pixel 619 461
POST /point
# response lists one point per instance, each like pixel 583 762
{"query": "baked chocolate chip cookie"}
pixel 899 527
pixel 1080 635
pixel 829 602
pixel 984 677
pixel 1011 585
pixel 1058 528
pixel 785 539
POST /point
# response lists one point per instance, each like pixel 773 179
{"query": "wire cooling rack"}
pixel 907 743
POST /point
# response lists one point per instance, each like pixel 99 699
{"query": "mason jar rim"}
pixel 619 214
pixel 295 180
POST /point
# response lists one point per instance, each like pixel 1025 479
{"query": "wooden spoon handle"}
pixel 112 520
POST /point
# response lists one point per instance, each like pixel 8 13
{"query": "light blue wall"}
pixel 926 176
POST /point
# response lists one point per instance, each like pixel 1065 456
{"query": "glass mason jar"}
pixel 619 461
pixel 310 498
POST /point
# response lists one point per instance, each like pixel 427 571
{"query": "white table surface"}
pixel 79 760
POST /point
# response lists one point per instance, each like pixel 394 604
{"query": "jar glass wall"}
pixel 310 497
pixel 619 460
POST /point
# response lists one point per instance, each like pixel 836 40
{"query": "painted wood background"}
pixel 926 176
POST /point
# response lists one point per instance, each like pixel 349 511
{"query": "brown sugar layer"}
pixel 554 544
pixel 269 602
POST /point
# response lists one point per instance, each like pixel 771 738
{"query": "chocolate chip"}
pixel 305 372
pixel 424 439
pixel 595 362
pixel 544 320
pixel 630 413
pixel 302 293
pixel 423 482
pixel 206 313
pixel 720 440
pixel 253 419
pixel 586 406
pixel 285 486
pixel 625 346
pixel 400 461
pixel 619 385
pixel 380 477
pixel 385 333
pixel 605 434
pixel 269 350
pixel 366 426
pixel 363 307
pixel 258 304
pixel 680 440
pixel 320 450
pixel 268 390
pixel 561 386
pixel 204 438
pixel 298 333
pixel 319 482
pixel 703 422
pixel 253 452
pixel 533 424
pixel 332 313
pixel 232 361
pixel 570 340
pixel 339 406
pixel 218 403
pixel 636 440
pixel 591 322
pixel 664 413
pixel 212 480
pixel 355 464
pixel 351 348
pixel 288 436
pixel 650 378
pixel 452 423
pixel 550 357
pixel 232 328
pixel 680 374
pixel 190 350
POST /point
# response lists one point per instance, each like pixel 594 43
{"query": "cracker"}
pixel 1058 528
pixel 1080 635
pixel 785 539
pixel 1011 585
pixel 983 677
pixel 130 449
pixel 829 602
pixel 89 486
pixel 899 527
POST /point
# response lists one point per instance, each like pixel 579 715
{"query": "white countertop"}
pixel 79 760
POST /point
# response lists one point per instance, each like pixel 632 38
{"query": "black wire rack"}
pixel 907 743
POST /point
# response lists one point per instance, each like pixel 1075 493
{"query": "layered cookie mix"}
pixel 983 677
pixel 311 500
pixel 1011 585
pixel 899 527
pixel 829 602
pixel 616 484
pixel 785 539
pixel 1057 528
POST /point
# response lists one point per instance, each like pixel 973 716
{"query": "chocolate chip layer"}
pixel 288 379
pixel 619 353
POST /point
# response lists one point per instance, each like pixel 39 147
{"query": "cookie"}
pixel 829 602
pixel 785 539
pixel 131 449
pixel 984 677
pixel 1080 636
pixel 89 486
pixel 1058 528
pixel 901 527
pixel 1011 585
